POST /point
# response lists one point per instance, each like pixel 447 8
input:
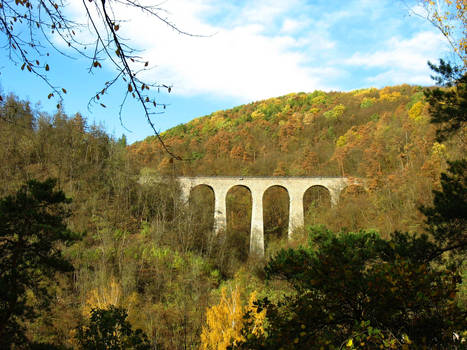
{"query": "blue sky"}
pixel 252 50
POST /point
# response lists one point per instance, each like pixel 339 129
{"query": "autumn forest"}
pixel 137 249
pixel 100 250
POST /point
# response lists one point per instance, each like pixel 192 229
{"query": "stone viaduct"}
pixel 295 186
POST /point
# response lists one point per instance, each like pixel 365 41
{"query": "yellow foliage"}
pixel 286 109
pixel 320 99
pixel 314 110
pixel 335 113
pixel 389 96
pixel 341 141
pixel 217 119
pixel 351 134
pixel 103 297
pixel 310 115
pixel 257 115
pixel 449 16
pixel 224 321
pixel 438 150
pixel 361 92
pixel 258 317
pixel 367 102
pixel 196 121
pixel 339 110
pixel 415 113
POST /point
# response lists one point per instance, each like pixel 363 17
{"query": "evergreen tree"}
pixel 32 224
pixel 448 105
pixel 359 290
pixel 447 218
pixel 109 330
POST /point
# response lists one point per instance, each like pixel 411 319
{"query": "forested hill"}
pixel 368 133
pixel 383 135
pixel 145 250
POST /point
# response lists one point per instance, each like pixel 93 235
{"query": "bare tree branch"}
pixel 32 27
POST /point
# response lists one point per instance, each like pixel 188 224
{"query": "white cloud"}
pixel 394 77
pixel 291 25
pixel 240 60
pixel 402 60
pixel 271 47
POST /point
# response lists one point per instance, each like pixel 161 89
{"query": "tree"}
pixel 447 218
pixel 30 28
pixel 32 224
pixel 360 291
pixel 448 106
pixel 109 330
pixel 224 322
pixel 449 17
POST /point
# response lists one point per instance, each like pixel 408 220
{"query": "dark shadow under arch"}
pixel 239 204
pixel 201 202
pixel 316 201
pixel 276 206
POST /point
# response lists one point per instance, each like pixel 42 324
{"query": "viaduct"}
pixel 295 186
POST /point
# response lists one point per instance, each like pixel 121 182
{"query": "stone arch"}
pixel 239 200
pixel 317 199
pixel 201 185
pixel 234 185
pixel 317 195
pixel 201 200
pixel 276 212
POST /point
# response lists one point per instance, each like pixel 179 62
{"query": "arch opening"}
pixel 239 206
pixel 316 205
pixel 276 214
pixel 201 204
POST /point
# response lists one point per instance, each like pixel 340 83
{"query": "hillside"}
pixel 383 135
pixel 366 133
